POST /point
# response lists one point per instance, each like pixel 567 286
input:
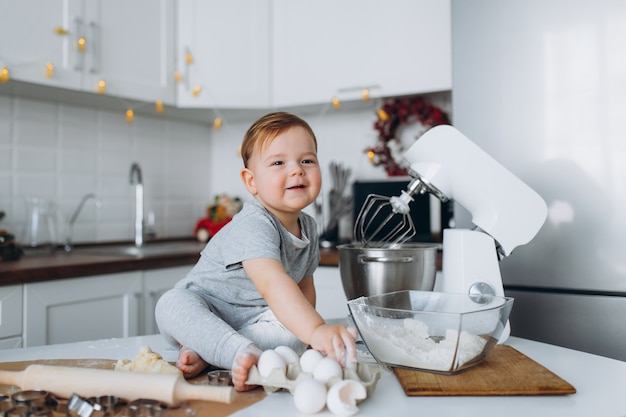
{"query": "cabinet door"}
pixel 155 283
pixel 11 343
pixel 91 308
pixel 229 45
pixel 331 299
pixel 328 48
pixel 30 42
pixel 10 311
pixel 132 48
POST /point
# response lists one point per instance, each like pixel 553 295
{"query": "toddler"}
pixel 252 288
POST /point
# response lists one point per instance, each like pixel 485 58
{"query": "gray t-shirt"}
pixel 253 233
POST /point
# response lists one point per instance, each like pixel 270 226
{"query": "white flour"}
pixel 408 342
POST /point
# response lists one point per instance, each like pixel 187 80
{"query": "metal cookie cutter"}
pixel 106 405
pixel 146 408
pixel 79 406
pixel 220 377
pixel 31 398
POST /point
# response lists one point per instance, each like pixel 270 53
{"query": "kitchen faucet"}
pixel 136 180
pixel 70 224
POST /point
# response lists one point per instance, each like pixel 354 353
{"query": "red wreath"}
pixel 391 115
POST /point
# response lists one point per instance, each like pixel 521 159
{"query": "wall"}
pixel 61 152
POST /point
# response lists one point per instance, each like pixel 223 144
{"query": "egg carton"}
pixel 367 374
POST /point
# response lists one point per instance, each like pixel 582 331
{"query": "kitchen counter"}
pixel 81 262
pixel 600 383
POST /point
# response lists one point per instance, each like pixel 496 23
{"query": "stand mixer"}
pixel 505 211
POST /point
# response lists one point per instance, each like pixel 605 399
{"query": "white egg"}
pixel 326 369
pixel 309 396
pixel 309 359
pixel 288 354
pixel 343 395
pixel 270 360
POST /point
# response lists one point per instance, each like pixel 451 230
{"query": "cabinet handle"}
pixel 96 45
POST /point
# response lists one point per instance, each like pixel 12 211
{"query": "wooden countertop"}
pixel 60 265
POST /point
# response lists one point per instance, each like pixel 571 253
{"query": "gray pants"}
pixel 217 330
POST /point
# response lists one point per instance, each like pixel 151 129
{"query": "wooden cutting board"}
pixel 201 408
pixel 505 371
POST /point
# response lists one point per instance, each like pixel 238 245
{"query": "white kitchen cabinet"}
pixel 155 283
pixel 281 53
pixel 228 43
pixel 331 299
pixel 29 41
pixel 10 316
pixel 77 309
pixel 128 44
pixel 329 48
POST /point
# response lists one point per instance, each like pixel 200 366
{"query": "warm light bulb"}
pixel 365 94
pixel 60 30
pixel 178 76
pixel 49 70
pixel 370 156
pixel 382 115
pixel 188 58
pixel 101 87
pixel 336 103
pixel 196 90
pixel 217 123
pixel 81 44
pixel 130 116
pixel 4 75
pixel 158 106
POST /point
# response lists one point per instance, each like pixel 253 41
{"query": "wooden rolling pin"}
pixel 63 381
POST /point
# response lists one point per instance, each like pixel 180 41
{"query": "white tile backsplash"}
pixel 62 152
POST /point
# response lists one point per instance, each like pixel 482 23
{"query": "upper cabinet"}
pixel 38 43
pixel 281 53
pixel 235 54
pixel 78 44
pixel 329 48
pixel 223 53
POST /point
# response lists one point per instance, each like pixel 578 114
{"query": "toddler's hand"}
pixel 336 341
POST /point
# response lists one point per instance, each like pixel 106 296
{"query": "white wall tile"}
pixel 63 152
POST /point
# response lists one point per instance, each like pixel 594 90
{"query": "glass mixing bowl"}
pixel 430 331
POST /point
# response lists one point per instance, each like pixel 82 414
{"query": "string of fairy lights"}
pixel 101 87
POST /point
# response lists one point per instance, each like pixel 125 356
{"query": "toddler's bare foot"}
pixel 189 362
pixel 241 366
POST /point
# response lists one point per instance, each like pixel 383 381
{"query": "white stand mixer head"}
pixel 500 203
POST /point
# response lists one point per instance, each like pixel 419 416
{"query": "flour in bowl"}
pixel 409 342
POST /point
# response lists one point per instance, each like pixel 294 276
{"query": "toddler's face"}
pixel 285 175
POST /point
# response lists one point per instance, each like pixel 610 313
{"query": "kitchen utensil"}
pixel 506 212
pixel 384 221
pixel 64 381
pixel 430 331
pixel 367 271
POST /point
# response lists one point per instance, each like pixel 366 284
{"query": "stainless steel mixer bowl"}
pixel 372 271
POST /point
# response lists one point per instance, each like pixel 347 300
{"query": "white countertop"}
pixel 600 383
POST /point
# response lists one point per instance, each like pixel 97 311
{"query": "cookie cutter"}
pixel 146 408
pixel 220 378
pixel 31 398
pixel 77 405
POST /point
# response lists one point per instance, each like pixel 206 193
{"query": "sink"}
pixel 147 250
